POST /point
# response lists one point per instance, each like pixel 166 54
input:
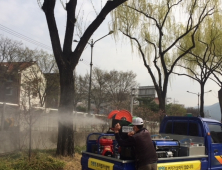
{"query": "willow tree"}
pixel 155 28
pixel 67 59
pixel 205 58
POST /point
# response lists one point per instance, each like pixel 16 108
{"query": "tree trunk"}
pixel 162 107
pixel 65 143
pixel 220 100
pixel 201 100
pixel 162 104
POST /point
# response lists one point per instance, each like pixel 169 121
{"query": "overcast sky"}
pixel 25 17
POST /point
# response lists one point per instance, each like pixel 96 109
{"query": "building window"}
pixel 142 92
pixel 150 92
pixel 10 78
pixel 34 94
pixel 8 91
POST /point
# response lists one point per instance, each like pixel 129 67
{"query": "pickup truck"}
pixel 183 143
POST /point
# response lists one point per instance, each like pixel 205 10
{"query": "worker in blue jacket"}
pixel 140 140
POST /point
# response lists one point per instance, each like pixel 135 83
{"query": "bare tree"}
pixel 110 90
pixel 155 30
pixel 81 89
pixel 99 88
pixel 52 90
pixel 46 61
pixel 151 118
pixel 119 85
pixel 10 52
pixel 67 60
pixel 29 114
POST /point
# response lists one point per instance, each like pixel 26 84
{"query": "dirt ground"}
pixel 72 163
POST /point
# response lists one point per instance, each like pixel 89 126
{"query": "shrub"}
pixel 78 149
pixel 40 160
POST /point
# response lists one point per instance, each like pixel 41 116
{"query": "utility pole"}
pixel 3 109
pixel 198 95
pixel 92 43
pixel 3 117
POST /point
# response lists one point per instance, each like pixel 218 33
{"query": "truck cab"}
pixel 196 133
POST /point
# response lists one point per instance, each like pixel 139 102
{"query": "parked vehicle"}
pixel 183 143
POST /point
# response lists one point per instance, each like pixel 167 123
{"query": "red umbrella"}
pixel 120 115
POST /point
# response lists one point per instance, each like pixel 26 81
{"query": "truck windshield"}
pixel 215 132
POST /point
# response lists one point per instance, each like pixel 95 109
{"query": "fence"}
pixel 16 123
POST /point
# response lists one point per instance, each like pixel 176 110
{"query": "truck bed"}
pixel 100 162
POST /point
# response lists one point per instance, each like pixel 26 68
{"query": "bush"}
pixel 81 109
pixel 78 149
pixel 40 160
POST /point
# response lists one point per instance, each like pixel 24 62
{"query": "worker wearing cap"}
pixel 145 153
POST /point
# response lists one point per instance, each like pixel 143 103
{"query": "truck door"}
pixel 216 147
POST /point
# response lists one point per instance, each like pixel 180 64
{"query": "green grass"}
pixel 78 149
pixel 40 160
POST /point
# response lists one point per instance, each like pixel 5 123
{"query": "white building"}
pixel 22 83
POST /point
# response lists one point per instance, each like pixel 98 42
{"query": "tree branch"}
pixel 155 62
pixel 195 27
pixel 144 61
pixel 48 8
pixel 109 6
pixel 70 23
